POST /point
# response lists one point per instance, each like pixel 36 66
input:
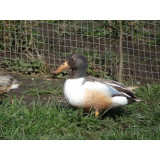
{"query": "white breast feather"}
pixel 74 92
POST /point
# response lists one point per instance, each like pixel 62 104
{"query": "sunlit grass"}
pixel 54 121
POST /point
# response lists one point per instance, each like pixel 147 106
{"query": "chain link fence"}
pixel 52 41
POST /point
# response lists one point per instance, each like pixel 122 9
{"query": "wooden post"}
pixel 120 52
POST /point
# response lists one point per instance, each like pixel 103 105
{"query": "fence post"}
pixel 120 52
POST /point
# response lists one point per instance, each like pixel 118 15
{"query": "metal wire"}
pixel 52 41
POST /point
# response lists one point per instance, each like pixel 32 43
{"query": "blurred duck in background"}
pixel 7 83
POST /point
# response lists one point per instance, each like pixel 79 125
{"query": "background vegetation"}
pixel 52 41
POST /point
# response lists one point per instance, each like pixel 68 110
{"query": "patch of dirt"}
pixel 38 89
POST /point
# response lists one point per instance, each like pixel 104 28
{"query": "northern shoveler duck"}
pixel 91 92
pixel 7 83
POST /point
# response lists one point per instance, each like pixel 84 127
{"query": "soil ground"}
pixel 34 88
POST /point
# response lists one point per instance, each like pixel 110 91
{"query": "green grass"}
pixel 53 121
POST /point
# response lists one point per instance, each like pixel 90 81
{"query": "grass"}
pixel 54 121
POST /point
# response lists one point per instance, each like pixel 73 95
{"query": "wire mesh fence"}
pixel 52 41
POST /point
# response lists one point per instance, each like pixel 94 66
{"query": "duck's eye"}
pixel 73 59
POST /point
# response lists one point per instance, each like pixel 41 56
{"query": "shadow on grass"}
pixel 115 112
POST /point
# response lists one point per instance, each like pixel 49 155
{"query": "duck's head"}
pixel 77 63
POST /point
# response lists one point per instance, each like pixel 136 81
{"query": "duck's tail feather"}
pixel 132 88
pixel 14 86
pixel 137 100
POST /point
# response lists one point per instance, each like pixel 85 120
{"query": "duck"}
pixel 91 92
pixel 7 83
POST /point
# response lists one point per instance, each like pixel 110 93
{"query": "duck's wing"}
pixel 115 88
pixel 102 80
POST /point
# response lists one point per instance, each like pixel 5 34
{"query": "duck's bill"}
pixel 61 68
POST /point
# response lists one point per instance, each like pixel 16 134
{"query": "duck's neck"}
pixel 77 74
